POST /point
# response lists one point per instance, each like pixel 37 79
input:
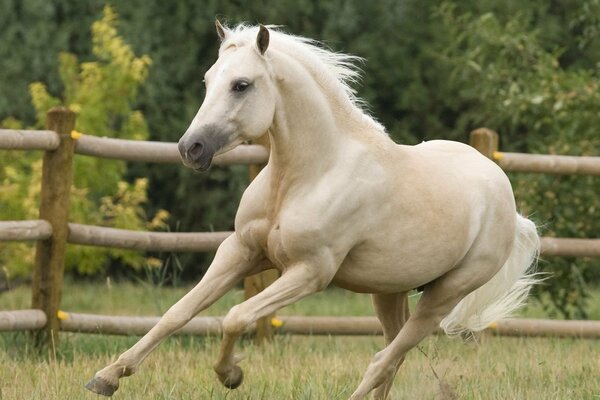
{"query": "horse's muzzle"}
pixel 196 154
pixel 198 146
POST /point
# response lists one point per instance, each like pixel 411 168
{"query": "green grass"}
pixel 292 367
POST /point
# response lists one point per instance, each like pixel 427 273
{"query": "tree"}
pixel 430 71
pixel 101 92
pixel 519 88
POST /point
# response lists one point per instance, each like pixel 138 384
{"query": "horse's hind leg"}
pixel 438 300
pixel 392 311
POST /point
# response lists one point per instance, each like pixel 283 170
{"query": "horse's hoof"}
pixel 101 386
pixel 234 379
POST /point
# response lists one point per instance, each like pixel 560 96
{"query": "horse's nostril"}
pixel 195 150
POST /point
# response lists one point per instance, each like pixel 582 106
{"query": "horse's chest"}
pixel 267 236
pixel 275 248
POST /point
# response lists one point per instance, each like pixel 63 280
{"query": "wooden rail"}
pixel 546 327
pixel 22 320
pixel 566 247
pixel 548 164
pixel 25 230
pixel 486 141
pixel 149 241
pixel 123 149
pixel 11 139
pixel 161 152
pixel 105 324
pixel 351 326
pixel 505 327
pixel 300 325
pixel 208 241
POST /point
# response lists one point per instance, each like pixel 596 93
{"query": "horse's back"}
pixel 459 163
pixel 445 146
pixel 457 177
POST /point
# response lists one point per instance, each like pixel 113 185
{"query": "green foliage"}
pixel 516 86
pixel 526 69
pixel 101 92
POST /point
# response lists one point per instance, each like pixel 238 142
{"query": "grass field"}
pixel 292 367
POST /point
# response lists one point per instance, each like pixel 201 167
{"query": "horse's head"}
pixel 239 104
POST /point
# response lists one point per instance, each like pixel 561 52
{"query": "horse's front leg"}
pixel 295 283
pixel 233 261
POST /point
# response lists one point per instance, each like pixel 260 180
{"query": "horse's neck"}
pixel 303 136
pixel 312 133
pixel 310 130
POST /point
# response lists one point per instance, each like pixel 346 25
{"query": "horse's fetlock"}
pixel 129 370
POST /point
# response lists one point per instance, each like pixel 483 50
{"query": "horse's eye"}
pixel 240 86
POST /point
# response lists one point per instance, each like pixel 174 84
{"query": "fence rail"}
pixel 25 230
pixel 111 325
pixel 11 139
pixel 22 320
pixel 147 241
pixel 296 325
pixel 548 164
pixel 160 152
pixel 123 149
pixel 566 247
pixel 91 235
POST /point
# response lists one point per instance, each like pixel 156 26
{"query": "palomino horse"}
pixel 340 203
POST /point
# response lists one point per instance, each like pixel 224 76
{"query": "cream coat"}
pixel 340 203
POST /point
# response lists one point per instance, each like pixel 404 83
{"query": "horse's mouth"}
pixel 202 168
pixel 203 164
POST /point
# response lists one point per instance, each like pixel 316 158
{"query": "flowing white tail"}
pixel 505 292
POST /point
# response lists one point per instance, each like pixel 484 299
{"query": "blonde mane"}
pixel 335 72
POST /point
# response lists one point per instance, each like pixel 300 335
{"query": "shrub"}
pixel 101 92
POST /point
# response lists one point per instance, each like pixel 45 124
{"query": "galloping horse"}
pixel 340 203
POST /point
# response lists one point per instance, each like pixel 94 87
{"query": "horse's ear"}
pixel 222 32
pixel 262 39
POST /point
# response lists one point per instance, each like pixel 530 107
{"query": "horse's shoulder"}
pixel 253 203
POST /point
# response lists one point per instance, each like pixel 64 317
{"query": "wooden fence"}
pixel 53 231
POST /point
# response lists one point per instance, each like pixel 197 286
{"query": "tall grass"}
pixel 292 367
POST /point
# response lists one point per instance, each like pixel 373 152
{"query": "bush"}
pixel 101 92
pixel 519 88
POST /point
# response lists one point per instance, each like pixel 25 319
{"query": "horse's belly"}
pixel 387 276
pixel 361 280
pixel 406 267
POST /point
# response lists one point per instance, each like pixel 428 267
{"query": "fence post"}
pixel 54 207
pixel 257 283
pixel 485 140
